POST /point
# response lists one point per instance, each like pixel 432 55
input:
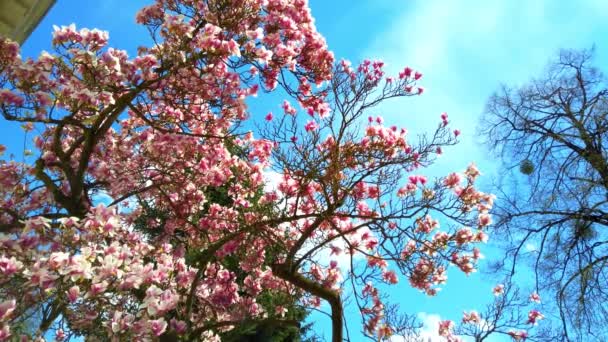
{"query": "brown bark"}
pixel 331 296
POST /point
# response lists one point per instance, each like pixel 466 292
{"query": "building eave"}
pixel 18 18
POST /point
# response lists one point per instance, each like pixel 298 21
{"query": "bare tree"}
pixel 507 315
pixel 551 136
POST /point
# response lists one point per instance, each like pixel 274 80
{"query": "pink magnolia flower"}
pixel 472 172
pixel 477 253
pixel 288 109
pixel 264 55
pixel 407 72
pixel 406 190
pixel 481 237
pixel 452 180
pixel 345 64
pixel 41 277
pixel 179 326
pixel 9 266
pixel 261 149
pixel 6 309
pixel 384 331
pixel 268 116
pixel 408 250
pixel 121 321
pixel 5 332
pixel 390 277
pixel 335 250
pixel 471 317
pixel 534 316
pixel 426 224
pixel 414 179
pixel 311 126
pixel 498 289
pixel 484 220
pixel 373 192
pixel 280 311
pixel 97 289
pixel 463 262
pixel 59 335
pixel 463 236
pixel 158 326
pixel 518 335
pixel 73 293
pixel 324 110
pixel 534 297
pixel 10 98
pixel 445 328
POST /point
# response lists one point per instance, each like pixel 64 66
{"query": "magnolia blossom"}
pixel 471 317
pixel 444 118
pixel 287 108
pixel 498 289
pixel 518 335
pixel 73 293
pixel 280 311
pixel 452 180
pixel 407 72
pixel 6 309
pixel 5 332
pixel 484 220
pixel 534 316
pixel 158 326
pixel 311 126
pixel 9 266
pixel 59 335
pixel 534 297
pixel 445 328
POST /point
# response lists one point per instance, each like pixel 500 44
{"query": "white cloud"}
pixel 428 332
pixel 465 49
pixel 271 180
pixel 530 247
pixel 430 326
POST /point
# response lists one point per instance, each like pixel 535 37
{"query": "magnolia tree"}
pixel 161 131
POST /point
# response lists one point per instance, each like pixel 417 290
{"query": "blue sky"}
pixel 464 48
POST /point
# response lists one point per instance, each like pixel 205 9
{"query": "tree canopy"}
pixel 212 227
pixel 553 193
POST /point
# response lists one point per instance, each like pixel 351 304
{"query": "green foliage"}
pixel 151 223
pixel 271 330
